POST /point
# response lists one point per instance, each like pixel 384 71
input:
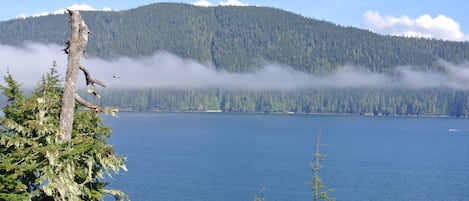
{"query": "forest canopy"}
pixel 231 42
pixel 238 39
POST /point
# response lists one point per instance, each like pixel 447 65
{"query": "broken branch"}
pixel 87 104
pixel 88 78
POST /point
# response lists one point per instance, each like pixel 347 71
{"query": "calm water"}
pixel 230 157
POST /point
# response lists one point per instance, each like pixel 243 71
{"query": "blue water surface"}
pixel 233 157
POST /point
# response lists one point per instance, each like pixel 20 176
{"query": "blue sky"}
pixel 445 19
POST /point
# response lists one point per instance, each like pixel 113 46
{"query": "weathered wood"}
pixel 90 82
pixel 75 49
pixel 87 104
pixel 89 79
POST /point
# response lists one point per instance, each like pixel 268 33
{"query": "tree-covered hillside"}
pixel 237 38
pixel 240 39
pixel 393 102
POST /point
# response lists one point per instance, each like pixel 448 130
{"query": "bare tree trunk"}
pixel 76 48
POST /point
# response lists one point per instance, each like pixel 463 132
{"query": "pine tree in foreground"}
pixel 35 164
pixel 50 147
pixel 318 186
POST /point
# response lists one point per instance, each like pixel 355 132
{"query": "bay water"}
pixel 234 157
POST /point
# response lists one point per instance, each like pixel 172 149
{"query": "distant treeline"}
pixel 429 102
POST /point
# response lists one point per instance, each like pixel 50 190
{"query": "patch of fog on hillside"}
pixel 165 70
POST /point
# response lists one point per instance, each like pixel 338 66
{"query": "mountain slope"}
pixel 237 39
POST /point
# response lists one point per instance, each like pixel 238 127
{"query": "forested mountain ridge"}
pixel 240 39
pixel 237 39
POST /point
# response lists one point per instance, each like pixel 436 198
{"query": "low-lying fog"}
pixel 165 70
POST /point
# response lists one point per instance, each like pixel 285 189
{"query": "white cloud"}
pixel 59 12
pixel 203 3
pixel 81 7
pixel 21 16
pixel 206 3
pixel 84 7
pixel 232 3
pixel 440 27
pixel 107 9
pixel 41 14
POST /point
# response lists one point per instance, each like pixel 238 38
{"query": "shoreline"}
pixel 294 113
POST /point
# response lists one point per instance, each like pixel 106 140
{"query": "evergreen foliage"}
pixel 258 196
pixel 241 39
pixel 238 39
pixel 365 101
pixel 317 184
pixel 35 165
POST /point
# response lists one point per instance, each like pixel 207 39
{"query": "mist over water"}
pixel 165 70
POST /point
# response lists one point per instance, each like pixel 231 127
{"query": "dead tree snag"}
pixel 76 47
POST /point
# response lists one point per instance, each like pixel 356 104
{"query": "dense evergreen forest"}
pixel 237 38
pixel 242 39
pixel 386 102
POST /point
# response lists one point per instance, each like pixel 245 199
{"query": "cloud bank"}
pixel 165 70
pixel 206 3
pixel 81 7
pixel 440 27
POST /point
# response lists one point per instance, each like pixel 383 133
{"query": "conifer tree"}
pixel 318 193
pixel 35 164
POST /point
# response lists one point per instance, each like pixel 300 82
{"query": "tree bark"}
pixel 76 48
